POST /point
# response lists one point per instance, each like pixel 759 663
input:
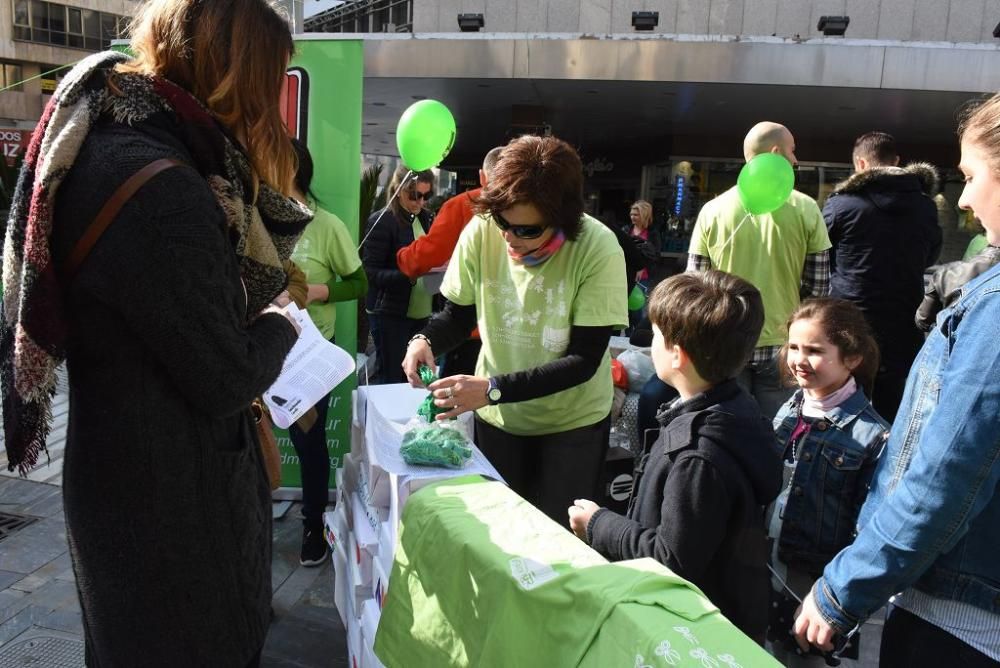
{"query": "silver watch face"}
pixel 494 394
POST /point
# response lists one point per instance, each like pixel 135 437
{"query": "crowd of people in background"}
pixel 819 439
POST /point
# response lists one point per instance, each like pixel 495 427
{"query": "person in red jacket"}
pixel 434 249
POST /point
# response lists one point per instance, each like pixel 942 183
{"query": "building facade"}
pixel 38 39
pixel 644 107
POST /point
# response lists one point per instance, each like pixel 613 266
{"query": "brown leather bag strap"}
pixel 108 212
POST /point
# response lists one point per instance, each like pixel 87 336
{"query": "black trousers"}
pixel 908 641
pixel 549 471
pixel 461 360
pixel 392 333
pixel 314 466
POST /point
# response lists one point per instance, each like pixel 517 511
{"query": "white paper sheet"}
pixel 313 367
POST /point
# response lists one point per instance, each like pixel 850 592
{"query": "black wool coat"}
pixel 167 503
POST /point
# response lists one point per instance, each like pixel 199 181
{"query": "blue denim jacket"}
pixel 932 519
pixel 834 463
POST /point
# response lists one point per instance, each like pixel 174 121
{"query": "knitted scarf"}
pixel 540 254
pixel 33 324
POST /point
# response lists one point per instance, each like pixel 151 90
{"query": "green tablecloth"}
pixel 482 578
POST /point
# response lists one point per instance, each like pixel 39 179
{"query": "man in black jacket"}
pixel 700 491
pixel 884 230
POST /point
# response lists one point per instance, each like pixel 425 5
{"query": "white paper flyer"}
pixel 313 367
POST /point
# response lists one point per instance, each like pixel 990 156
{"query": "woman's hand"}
pixel 283 311
pixel 811 628
pixel 418 352
pixel 282 300
pixel 459 394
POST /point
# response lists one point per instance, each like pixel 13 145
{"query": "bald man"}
pixel 785 254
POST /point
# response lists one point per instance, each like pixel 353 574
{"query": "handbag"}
pixel 104 217
pixel 268 444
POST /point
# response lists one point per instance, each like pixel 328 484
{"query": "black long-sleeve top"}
pixel 454 323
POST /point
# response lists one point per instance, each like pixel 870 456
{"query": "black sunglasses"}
pixel 416 195
pixel 519 231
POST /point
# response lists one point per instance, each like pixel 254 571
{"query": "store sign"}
pixel 598 165
pixel 13 142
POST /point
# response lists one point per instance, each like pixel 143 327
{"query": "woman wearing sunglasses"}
pixel 546 286
pixel 397 307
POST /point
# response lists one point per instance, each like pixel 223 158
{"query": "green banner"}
pixel 322 106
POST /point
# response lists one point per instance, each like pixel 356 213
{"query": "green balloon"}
pixel 636 299
pixel 425 134
pixel 765 183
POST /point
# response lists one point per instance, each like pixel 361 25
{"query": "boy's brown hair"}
pixel 713 316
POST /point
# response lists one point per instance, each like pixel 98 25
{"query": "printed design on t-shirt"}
pixel 666 651
pixel 555 339
pixel 702 655
pixel 531 574
pixel 672 657
pixel 520 321
pixel 687 634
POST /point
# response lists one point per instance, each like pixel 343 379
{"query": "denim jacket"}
pixel 931 520
pixel 834 463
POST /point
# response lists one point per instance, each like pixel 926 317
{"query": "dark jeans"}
pixel 654 394
pixel 391 334
pixel 549 471
pixel 908 640
pixel 461 360
pixel 763 383
pixel 314 465
pixel 898 349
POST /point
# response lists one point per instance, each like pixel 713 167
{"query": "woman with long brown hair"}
pixel 166 324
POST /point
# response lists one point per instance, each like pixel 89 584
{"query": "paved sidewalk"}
pixel 40 623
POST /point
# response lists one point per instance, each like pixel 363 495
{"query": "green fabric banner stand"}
pixel 322 105
pixel 482 578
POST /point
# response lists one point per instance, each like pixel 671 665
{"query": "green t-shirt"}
pixel 482 578
pixel 324 251
pixel 767 250
pixel 421 305
pixel 525 314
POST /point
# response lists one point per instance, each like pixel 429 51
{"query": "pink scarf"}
pixel 540 254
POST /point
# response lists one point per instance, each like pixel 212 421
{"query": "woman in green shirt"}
pixel 546 285
pixel 326 254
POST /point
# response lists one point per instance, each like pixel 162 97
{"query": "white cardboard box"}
pixel 335 528
pixel 380 582
pixel 370 614
pixel 342 585
pixel 355 643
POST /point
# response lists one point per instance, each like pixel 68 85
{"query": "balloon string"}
pixel 371 229
pixel 730 239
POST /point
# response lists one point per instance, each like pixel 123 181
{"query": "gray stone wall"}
pixel 903 20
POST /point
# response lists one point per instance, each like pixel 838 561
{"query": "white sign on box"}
pixel 313 367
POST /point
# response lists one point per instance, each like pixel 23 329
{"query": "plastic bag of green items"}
pixel 435 445
pixel 428 410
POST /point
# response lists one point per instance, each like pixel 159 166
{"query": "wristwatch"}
pixel 493 393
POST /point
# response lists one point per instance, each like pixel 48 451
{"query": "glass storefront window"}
pixel 11 74
pixel 53 23
pixel 680 187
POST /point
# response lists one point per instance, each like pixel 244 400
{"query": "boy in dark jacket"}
pixel 700 490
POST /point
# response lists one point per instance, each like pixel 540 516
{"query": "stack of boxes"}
pixel 373 486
